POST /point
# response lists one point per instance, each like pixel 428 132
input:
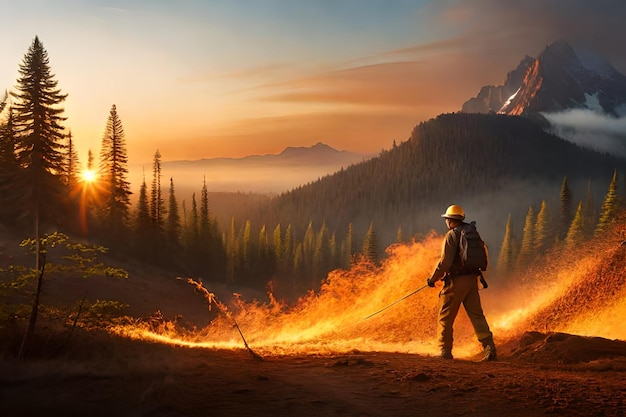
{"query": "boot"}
pixel 446 354
pixel 489 354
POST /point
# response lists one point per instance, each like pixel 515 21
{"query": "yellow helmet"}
pixel 454 212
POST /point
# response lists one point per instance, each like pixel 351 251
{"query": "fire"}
pixel 564 295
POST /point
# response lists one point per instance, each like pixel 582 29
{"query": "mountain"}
pixel 271 173
pixel 560 78
pixel 493 165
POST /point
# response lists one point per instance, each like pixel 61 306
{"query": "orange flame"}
pixel 334 319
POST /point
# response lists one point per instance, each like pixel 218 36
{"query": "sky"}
pixel 231 78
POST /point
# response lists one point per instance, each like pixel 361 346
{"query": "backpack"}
pixel 472 250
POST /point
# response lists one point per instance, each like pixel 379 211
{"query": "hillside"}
pixel 560 338
pixel 492 165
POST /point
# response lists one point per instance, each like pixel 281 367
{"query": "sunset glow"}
pixel 88 176
pixel 230 79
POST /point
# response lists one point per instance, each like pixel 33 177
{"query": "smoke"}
pixel 591 130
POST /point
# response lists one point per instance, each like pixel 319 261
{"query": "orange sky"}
pixel 230 79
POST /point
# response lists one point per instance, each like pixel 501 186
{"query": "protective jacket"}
pixel 449 260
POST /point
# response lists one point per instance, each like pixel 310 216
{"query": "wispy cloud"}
pixel 591 130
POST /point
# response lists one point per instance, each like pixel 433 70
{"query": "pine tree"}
pixel 232 253
pixel 72 170
pixel 370 246
pixel 346 248
pixel 308 249
pixel 287 252
pixel 542 226
pixel 172 231
pixel 157 203
pixel 277 245
pixel 247 248
pixel 265 258
pixel 143 223
pixel 527 247
pixel 8 142
pixel 506 257
pixel 566 209
pixel 194 221
pixel 205 219
pixel 113 172
pixel 322 256
pixel 609 207
pixel 575 233
pixel 9 170
pixel 40 138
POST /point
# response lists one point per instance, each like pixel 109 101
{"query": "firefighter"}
pixel 460 287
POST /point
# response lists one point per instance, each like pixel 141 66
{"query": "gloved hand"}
pixel 430 282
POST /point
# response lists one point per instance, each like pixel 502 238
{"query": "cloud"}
pixel 591 130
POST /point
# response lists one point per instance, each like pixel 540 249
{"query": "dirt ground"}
pixel 95 373
pixel 98 374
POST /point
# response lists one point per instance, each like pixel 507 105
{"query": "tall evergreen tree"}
pixel 575 234
pixel 566 209
pixel 194 221
pixel 322 257
pixel 232 252
pixel 277 245
pixel 506 257
pixel 72 168
pixel 157 203
pixel 370 246
pixel 40 146
pixel 527 246
pixel 143 223
pixel 542 227
pixel 8 142
pixel 114 209
pixel 172 230
pixel 287 246
pixel 308 250
pixel 609 207
pixel 265 259
pixel 205 215
pixel 347 248
pixel 247 248
pixel 9 170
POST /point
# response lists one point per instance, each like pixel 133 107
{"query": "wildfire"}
pixel 334 319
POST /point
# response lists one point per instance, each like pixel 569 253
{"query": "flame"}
pixel 335 320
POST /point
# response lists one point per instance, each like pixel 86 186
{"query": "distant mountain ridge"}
pixel 270 173
pixel 318 154
pixel 560 78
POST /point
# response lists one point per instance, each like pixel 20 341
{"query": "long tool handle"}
pixel 396 302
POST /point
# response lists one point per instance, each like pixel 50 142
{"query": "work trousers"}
pixel 461 289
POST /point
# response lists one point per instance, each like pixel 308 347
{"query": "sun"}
pixel 88 175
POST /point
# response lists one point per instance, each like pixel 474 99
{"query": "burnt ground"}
pixel 98 374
